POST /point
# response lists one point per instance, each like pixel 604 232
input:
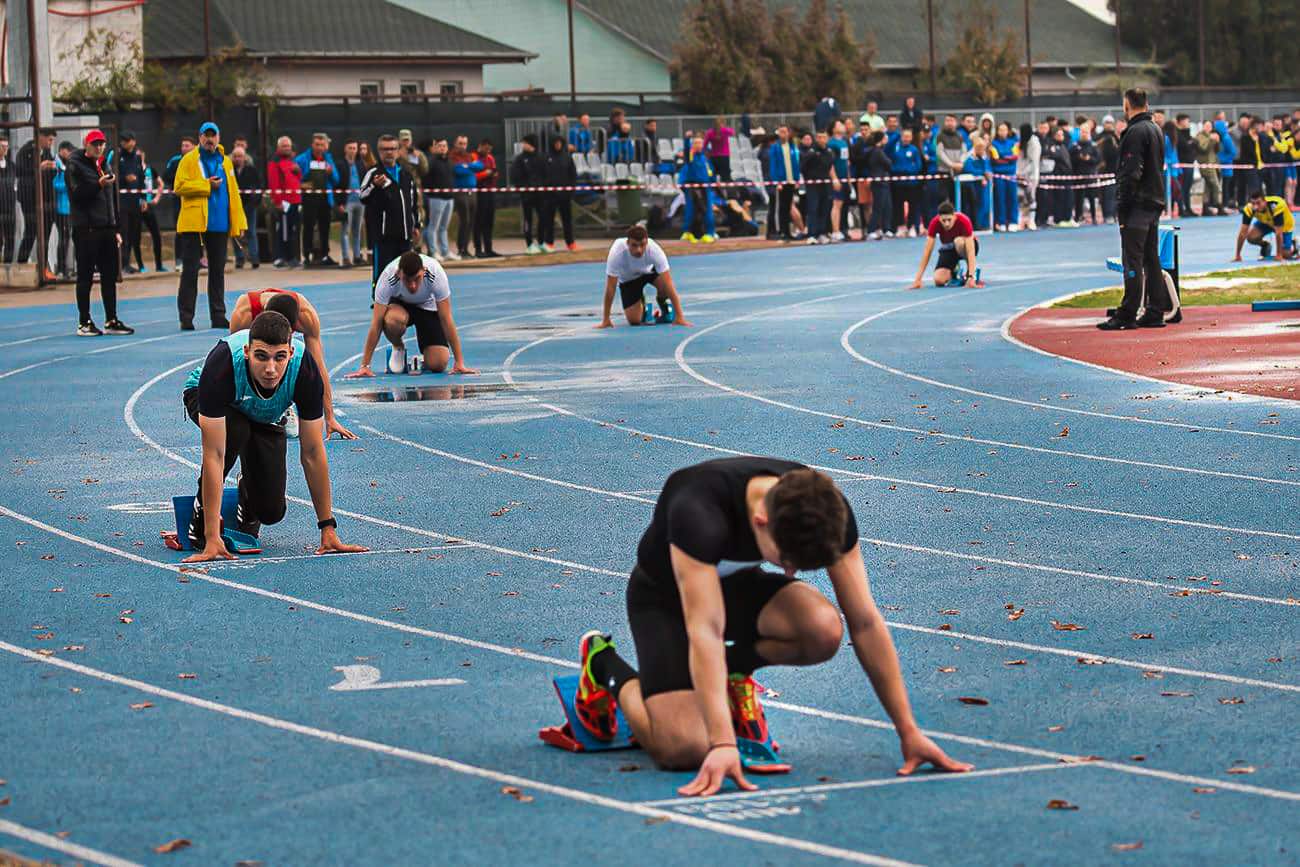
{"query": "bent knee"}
pixel 272 513
pixel 824 636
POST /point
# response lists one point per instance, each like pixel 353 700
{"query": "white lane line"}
pixel 846 337
pixel 508 376
pixel 866 722
pixel 936 776
pixel 747 834
pixel 1080 573
pixel 246 562
pixel 69 334
pixel 680 356
pixel 49 841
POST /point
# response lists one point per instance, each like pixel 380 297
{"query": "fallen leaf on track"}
pixel 1065 432
pixel 1015 662
pixel 1152 675
pixel 514 792
pixel 1090 660
pixel 1233 700
pixel 975 700
pixel 950 612
pixel 1176 694
pixel 943 627
pixel 948 669
pixel 1204 790
pixel 1126 847
pixel 656 820
pixel 172 846
pixel 1017 614
pixel 1067 627
pixel 1241 769
pixel 1055 729
pixel 1137 758
pixel 185 675
pixel 141 705
pixel 1058 804
pixel 627 769
pixel 1143 636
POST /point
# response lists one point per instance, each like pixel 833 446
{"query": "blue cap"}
pixel 209 127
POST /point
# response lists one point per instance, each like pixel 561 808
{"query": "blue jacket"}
pixel 1227 149
pixel 580 138
pixel 1171 154
pixel 930 156
pixel 465 175
pixel 62 206
pixel 1006 147
pixel 304 162
pixel 698 170
pixel 977 165
pixel 891 142
pixel 907 159
pixel 620 150
pixel 776 162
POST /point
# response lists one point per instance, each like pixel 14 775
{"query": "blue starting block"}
pixel 236 542
pixel 650 317
pixel 1280 304
pixel 959 275
pixel 757 758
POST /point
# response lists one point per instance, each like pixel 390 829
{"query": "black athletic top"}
pixel 217 385
pixel 702 510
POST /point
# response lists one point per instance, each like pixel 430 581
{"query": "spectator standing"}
pixel 1086 160
pixel 871 119
pixel 986 127
pixel 247 179
pixel 975 194
pixel 438 205
pixel 284 178
pixel 1108 147
pixel 62 209
pixel 210 214
pixel 783 170
pixel 911 116
pixel 529 170
pixel 354 211
pixel 1141 199
pixel 8 203
pixel 130 169
pixel 1004 152
pixel 149 217
pixel 560 172
pixel 1244 180
pixel 880 167
pixel 907 192
pixel 717 144
pixel 1062 168
pixel 826 112
pixel 92 192
pixel 1227 157
pixel 648 148
pixel 392 208
pixel 465 165
pixel 818 170
pixel 859 171
pixel 699 197
pixel 1027 176
pixel 839 148
pixel 931 188
pixel 485 219
pixel 968 129
pixel 33 156
pixel 1207 156
pixel 320 177
pixel 414 159
pixel 951 149
pixel 1186 147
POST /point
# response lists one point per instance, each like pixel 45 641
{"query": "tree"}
pixel 986 62
pixel 837 64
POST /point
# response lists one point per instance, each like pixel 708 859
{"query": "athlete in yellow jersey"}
pixel 1262 216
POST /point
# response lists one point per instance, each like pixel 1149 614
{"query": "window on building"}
pixel 448 89
pixel 411 90
pixel 372 89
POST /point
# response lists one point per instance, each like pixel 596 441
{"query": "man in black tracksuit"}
pixel 529 170
pixel 392 208
pixel 1140 198
pixel 96 227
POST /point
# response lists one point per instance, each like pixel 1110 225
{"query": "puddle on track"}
pixel 427 392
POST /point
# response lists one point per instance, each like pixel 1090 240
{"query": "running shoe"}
pixel 245 521
pixel 288 421
pixel 688 237
pixel 707 239
pixel 533 249
pixel 453 257
pixel 548 248
pixel 746 712
pixel 397 360
pixel 573 248
pixel 117 326
pixel 593 703
pixel 195 532
pixel 88 329
pixel 667 313
pixel 837 237
pixel 1266 250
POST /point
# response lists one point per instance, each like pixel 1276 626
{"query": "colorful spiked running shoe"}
pixel 746 711
pixel 593 704
pixel 667 312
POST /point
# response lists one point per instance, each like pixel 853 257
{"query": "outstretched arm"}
pixel 372 340
pixel 611 283
pixel 316 468
pixel 875 651
pixel 925 260
pixel 665 283
pixel 212 480
pixel 453 337
pixel 1241 239
pixel 970 260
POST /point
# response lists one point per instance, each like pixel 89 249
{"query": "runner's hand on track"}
pixel 212 552
pixel 919 750
pixel 606 323
pixel 719 764
pixel 685 323
pixel 460 368
pixel 361 372
pixel 333 427
pixel 331 544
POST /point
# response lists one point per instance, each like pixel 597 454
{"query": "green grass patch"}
pixel 1279 282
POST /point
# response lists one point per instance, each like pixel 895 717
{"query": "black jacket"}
pixel 816 164
pixel 25 163
pixel 560 172
pixel 392 211
pixel 1186 145
pixel 1108 146
pixel 1085 158
pixel 528 170
pixel 442 176
pixel 248 178
pixel 8 188
pixel 1059 153
pixel 92 206
pixel 1140 178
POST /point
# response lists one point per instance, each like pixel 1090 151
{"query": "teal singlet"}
pixel 266 410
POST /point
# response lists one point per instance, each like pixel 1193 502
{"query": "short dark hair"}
pixel 946 208
pixel 638 234
pixel 189 138
pixel 45 130
pixel 1136 96
pixel 1257 194
pixel 808 517
pixel 410 263
pixel 1183 116
pixel 271 328
pixel 284 303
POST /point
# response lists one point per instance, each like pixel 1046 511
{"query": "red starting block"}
pixel 757 758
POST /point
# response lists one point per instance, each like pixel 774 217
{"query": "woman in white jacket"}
pixel 1031 152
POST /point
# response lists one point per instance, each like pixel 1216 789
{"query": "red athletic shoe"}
pixel 593 704
pixel 746 711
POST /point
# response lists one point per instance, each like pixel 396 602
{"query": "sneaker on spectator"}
pixel 812 241
pixel 707 239
pixel 836 237
pixel 1000 227
pixel 453 256
pixel 823 239
pixel 548 248
pixel 890 235
pixel 347 263
pixel 117 326
pixel 876 235
pixel 280 263
pixel 88 329
pixel 1051 221
pixel 1013 227
pixel 911 233
pixel 573 248
pixel 533 249
pixel 688 237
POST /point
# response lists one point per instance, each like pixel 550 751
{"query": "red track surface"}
pixel 1216 347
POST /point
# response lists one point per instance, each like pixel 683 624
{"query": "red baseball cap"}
pixel 93 136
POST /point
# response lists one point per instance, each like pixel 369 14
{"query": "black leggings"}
pixel 550 206
pixel 134 240
pixel 96 249
pixel 260 449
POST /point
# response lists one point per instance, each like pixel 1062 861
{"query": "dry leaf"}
pixel 1065 432
pixel 1152 675
pixel 627 769
pixel 1067 627
pixel 1058 804
pixel 72 648
pixel 943 627
pixel 56 589
pixel 1274 659
pixel 44 636
pixel 1204 790
pixel 173 845
pixel 1055 729
pixel 950 612
pixel 141 705
pixel 1015 662
pixel 1176 694
pixel 4 802
pixel 970 699
pixel 125 619
pixel 516 794
pixel 103 595
pixel 948 669
pixel 1233 700
pixel 1090 660
pixel 1142 636
pixel 1079 760
pixel 1241 769
pixel 187 676
pixel 1126 847
pixel 1017 614
pixel 1137 758
pixel 656 820
pixel 47 556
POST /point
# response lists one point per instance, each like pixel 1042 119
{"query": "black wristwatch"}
pixel 328 522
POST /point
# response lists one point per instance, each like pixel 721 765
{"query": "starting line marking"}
pixel 49 841
pixel 360 677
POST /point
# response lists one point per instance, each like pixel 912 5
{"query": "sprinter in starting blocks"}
pixel 635 262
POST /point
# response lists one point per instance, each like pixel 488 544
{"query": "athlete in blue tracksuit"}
pixel 698 170
pixel 1004 151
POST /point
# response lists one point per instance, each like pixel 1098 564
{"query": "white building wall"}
pixel 344 79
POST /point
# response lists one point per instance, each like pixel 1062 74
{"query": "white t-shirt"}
pixel 433 286
pixel 624 266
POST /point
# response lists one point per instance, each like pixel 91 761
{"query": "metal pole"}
pixel 1119 75
pixel 207 52
pixel 929 25
pixel 33 80
pixel 1029 56
pixel 573 75
pixel 1200 36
